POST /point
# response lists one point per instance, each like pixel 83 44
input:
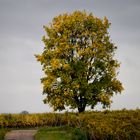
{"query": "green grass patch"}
pixel 2 133
pixel 54 133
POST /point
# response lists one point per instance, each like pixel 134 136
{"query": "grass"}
pixel 54 133
pixel 2 133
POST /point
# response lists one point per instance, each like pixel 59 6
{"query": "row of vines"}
pixel 106 125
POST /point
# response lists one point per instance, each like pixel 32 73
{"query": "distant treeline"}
pixel 105 125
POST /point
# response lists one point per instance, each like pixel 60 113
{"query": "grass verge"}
pixel 2 133
pixel 54 133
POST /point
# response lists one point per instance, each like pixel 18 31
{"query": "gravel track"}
pixel 20 135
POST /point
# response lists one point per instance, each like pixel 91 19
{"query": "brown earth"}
pixel 20 135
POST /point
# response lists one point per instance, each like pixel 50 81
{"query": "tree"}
pixel 24 112
pixel 78 62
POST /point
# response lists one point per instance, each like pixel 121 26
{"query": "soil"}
pixel 20 135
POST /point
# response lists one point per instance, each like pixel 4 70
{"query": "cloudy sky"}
pixel 21 23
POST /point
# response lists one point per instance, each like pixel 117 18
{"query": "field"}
pixel 105 125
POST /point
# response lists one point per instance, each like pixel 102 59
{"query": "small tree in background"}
pixel 78 62
pixel 24 112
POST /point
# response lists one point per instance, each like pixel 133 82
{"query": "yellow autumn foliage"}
pixel 55 63
pixel 66 66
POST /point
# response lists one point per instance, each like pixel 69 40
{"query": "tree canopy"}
pixel 78 62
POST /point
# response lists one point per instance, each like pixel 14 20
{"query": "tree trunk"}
pixel 81 109
pixel 82 104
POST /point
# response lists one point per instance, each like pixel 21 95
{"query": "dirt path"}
pixel 20 135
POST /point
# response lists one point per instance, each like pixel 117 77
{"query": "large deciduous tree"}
pixel 78 62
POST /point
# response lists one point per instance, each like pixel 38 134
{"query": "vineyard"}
pixel 105 125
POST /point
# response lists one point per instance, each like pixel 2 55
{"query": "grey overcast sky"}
pixel 21 23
